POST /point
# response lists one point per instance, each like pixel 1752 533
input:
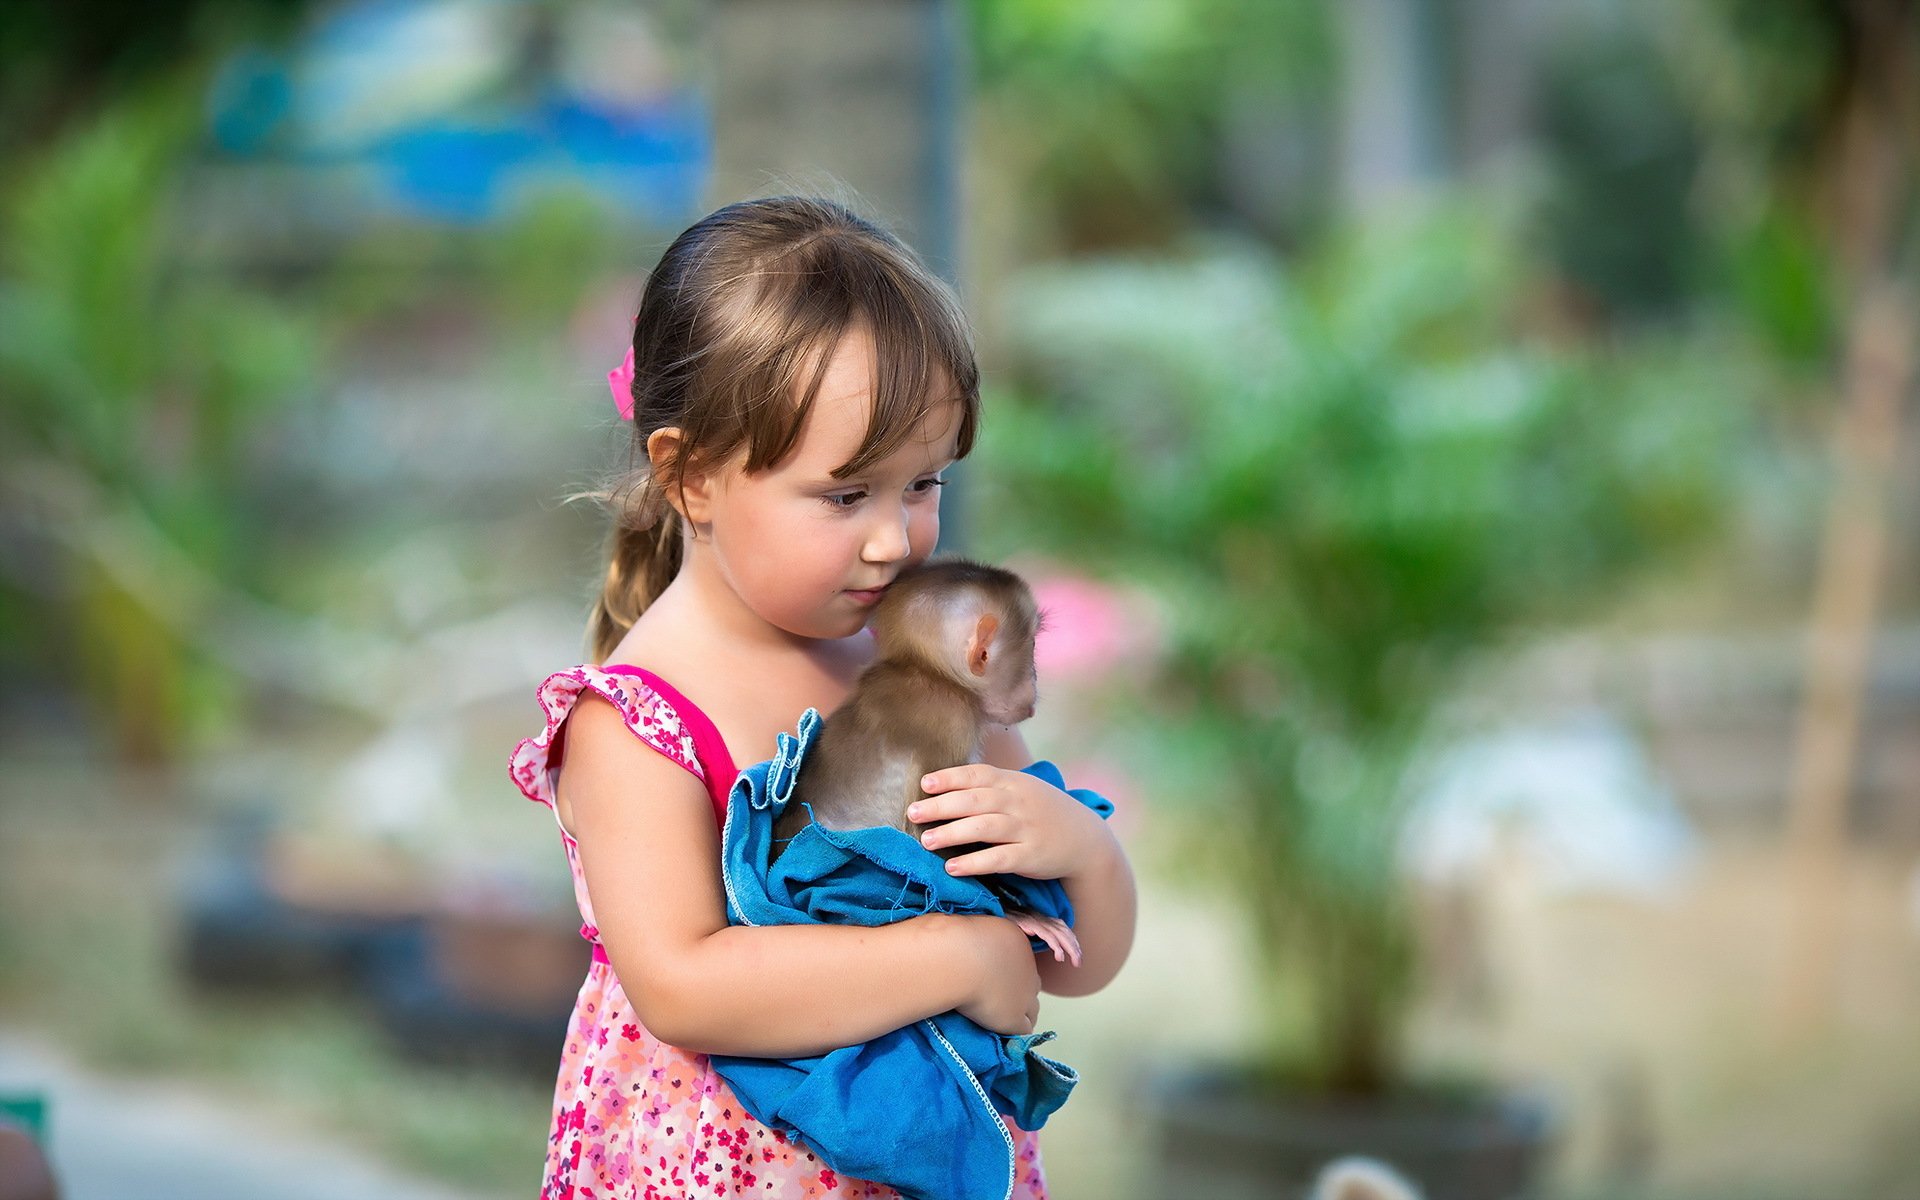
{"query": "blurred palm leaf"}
pixel 136 381
pixel 1348 481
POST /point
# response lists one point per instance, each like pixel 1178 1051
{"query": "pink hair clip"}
pixel 620 380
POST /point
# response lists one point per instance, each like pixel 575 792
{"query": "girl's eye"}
pixel 846 501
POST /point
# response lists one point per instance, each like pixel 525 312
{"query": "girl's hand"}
pixel 1031 827
pixel 1006 991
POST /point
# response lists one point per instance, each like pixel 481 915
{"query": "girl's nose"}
pixel 889 539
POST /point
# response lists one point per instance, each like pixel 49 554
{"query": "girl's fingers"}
pixel 949 779
pixel 950 806
pixel 979 828
pixel 994 860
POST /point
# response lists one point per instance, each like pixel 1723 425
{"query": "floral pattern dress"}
pixel 635 1118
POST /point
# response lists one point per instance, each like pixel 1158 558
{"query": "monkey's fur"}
pixel 955 644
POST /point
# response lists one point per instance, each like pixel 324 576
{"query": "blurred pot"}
pixel 1217 1132
pixel 521 963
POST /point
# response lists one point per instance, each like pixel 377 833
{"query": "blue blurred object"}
pixel 28 1110
pixel 458 110
pixel 649 165
pixel 249 102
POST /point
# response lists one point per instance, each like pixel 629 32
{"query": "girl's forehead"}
pixel 837 423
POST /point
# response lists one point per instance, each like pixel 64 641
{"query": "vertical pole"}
pixel 1394 107
pixel 1879 371
pixel 1869 168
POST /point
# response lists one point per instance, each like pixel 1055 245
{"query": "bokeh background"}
pixel 1467 446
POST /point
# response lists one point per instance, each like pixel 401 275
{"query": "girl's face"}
pixel 795 544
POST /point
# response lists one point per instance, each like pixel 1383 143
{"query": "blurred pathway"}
pixel 116 1139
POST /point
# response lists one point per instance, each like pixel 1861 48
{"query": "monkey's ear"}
pixel 982 638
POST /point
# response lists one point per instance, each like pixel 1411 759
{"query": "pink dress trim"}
pixel 709 745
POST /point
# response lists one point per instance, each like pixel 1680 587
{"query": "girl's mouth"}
pixel 867 597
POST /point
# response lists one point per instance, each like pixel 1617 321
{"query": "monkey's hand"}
pixel 1051 930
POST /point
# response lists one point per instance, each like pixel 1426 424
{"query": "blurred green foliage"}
pixel 1117 113
pixel 535 268
pixel 152 360
pixel 129 387
pixel 118 359
pixel 62 63
pixel 1350 480
pixel 1622 156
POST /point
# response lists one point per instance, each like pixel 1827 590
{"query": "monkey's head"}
pixel 970 621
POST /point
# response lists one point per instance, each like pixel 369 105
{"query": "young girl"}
pixel 797 382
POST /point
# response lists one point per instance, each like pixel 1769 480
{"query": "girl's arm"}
pixel 1104 902
pixel 651 858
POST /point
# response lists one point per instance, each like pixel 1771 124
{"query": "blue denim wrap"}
pixel 918 1108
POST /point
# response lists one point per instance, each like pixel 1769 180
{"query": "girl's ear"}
pixel 688 491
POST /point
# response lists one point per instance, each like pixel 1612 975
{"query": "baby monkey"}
pixel 954 650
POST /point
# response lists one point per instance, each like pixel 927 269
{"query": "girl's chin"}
pixel 848 624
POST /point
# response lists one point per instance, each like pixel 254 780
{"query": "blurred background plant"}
pixel 133 384
pixel 1347 481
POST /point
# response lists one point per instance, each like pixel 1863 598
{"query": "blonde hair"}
pixel 734 312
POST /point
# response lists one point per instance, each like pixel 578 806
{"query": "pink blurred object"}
pixel 620 380
pixel 1089 626
pixel 1103 777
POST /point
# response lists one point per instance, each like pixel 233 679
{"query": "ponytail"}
pixel 643 562
pixel 643 557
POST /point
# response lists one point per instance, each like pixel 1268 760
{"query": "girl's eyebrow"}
pixel 852 480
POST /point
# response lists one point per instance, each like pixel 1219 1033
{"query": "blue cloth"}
pixel 918 1108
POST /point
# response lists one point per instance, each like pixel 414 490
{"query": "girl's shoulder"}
pixel 648 713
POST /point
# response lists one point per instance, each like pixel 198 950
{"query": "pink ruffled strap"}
pixel 708 744
pixel 647 713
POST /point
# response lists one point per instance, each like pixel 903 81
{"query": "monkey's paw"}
pixel 1051 930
